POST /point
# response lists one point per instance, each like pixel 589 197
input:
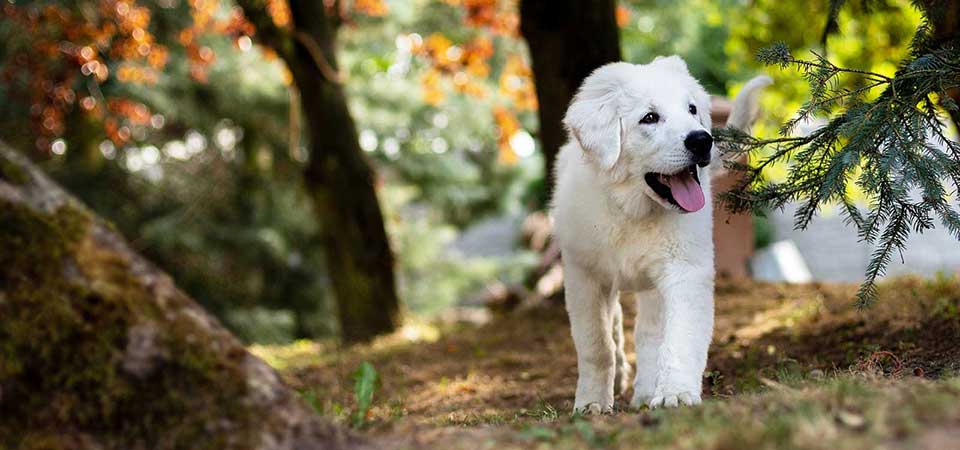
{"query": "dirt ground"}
pixel 512 380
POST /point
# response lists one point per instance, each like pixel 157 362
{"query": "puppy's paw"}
pixel 674 399
pixel 593 409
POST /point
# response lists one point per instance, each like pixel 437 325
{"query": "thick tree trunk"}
pixel 341 181
pixel 100 350
pixel 568 39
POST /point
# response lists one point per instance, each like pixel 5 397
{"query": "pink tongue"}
pixel 686 191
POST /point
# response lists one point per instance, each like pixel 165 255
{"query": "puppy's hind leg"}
pixel 591 323
pixel 621 380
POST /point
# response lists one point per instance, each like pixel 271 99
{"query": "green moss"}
pixel 62 347
pixel 12 173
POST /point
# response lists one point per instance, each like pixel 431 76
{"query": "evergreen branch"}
pixel 897 141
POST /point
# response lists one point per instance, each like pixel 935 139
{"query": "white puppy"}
pixel 632 212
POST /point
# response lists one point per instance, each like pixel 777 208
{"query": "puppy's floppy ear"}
pixel 593 117
pixel 672 62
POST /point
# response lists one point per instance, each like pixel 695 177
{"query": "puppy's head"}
pixel 647 122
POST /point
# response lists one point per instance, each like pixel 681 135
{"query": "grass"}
pixel 790 367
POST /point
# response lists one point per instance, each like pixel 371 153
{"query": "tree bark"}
pixel 944 15
pixel 338 176
pixel 568 39
pixel 99 349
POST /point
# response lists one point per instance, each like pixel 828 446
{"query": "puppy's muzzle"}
pixel 699 143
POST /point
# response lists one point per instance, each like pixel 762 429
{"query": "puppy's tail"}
pixel 746 105
pixel 743 113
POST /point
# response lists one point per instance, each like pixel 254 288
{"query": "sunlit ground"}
pixel 790 366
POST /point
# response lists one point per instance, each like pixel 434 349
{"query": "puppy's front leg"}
pixel 648 338
pixel 591 323
pixel 687 330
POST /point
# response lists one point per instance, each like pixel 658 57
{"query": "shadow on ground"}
pixel 518 372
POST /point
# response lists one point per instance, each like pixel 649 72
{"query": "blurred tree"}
pixel 211 186
pixel 944 16
pixel 201 175
pixel 568 39
pixel 338 175
pixel 696 29
pixel 479 58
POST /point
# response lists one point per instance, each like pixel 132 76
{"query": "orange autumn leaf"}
pixel 68 54
pixel 516 83
pixel 623 16
pixel 375 8
pixel 432 91
pixel 279 12
pixel 507 125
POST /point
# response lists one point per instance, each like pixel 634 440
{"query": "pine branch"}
pixel 896 141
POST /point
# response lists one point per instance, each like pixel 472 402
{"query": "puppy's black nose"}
pixel 699 143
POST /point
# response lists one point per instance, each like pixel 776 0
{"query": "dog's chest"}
pixel 636 250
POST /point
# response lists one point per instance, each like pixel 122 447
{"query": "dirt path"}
pixel 519 371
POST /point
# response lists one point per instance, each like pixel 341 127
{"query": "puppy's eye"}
pixel 693 109
pixel 650 118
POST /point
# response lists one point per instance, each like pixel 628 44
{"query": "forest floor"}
pixel 791 366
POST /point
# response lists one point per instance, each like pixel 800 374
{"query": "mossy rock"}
pixel 100 350
pixel 83 347
pixel 12 173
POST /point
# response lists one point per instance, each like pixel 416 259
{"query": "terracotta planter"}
pixel 732 233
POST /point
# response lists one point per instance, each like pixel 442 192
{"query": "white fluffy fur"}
pixel 618 238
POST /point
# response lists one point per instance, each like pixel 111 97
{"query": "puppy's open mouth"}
pixel 681 189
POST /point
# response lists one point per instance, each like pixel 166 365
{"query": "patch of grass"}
pixel 472 419
pixel 543 412
pixel 843 413
pixel 791 366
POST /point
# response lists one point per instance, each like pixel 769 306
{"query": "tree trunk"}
pixel 944 15
pixel 99 349
pixel 338 176
pixel 568 39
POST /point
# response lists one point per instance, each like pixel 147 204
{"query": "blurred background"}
pixel 188 124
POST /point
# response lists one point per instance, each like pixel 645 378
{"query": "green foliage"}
pixel 890 145
pixel 230 220
pixel 763 231
pixel 695 29
pixel 872 42
pixel 448 151
pixel 366 380
pixel 432 276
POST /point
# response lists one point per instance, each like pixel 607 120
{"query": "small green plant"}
pixel 715 381
pixel 397 409
pixel 789 372
pixel 544 412
pixel 366 380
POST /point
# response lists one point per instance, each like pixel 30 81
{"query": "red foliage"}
pixel 467 65
pixel 63 55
